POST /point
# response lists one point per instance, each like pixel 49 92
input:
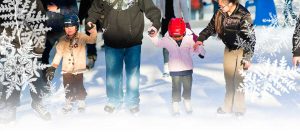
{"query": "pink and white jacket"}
pixel 180 57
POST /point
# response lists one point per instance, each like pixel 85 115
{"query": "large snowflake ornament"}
pixel 19 64
pixel 269 74
pixel 274 77
pixel 5 44
pixel 21 16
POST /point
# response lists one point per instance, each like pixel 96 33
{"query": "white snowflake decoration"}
pixel 18 64
pixel 274 77
pixel 22 17
pixel 247 45
pixel 5 44
pixel 271 77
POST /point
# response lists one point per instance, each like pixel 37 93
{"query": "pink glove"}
pixel 195 37
pixel 187 25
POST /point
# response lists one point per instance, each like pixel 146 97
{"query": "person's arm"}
pixel 248 34
pixel 91 39
pixel 83 10
pixel 151 12
pixel 95 12
pixel 296 40
pixel 58 55
pixel 161 43
pixel 40 8
pixel 200 51
pixel 208 31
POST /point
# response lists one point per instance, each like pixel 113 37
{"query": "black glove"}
pixel 50 73
pixel 201 56
pixel 91 61
pixel 87 27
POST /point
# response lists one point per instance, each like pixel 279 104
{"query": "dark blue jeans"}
pixel 115 59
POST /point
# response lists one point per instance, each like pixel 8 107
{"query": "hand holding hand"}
pixel 152 31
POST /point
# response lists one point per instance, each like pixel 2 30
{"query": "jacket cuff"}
pixel 296 54
pixel 156 25
pixel 201 38
pixel 247 57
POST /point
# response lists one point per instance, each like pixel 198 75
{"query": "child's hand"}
pixel 197 44
pixel 152 31
pixel 91 27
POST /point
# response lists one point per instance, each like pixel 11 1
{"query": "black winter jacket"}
pixel 56 19
pixel 239 23
pixel 296 39
pixel 124 23
pixel 85 5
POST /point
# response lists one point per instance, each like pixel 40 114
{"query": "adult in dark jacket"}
pixel 230 21
pixel 85 5
pixel 8 106
pixel 123 23
pixel 296 44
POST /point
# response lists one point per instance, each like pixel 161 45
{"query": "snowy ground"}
pixel 267 113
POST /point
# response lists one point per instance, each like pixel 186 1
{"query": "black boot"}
pixel 41 110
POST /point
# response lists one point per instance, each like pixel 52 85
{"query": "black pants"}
pixel 74 88
pixel 14 98
pixel 177 81
pixel 164 29
pixel 91 48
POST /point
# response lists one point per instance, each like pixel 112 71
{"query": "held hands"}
pixel 152 31
pixel 91 27
pixel 197 44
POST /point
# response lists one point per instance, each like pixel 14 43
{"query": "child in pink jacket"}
pixel 179 42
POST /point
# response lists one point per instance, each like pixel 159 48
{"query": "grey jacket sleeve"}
pixel 95 11
pixel 151 12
